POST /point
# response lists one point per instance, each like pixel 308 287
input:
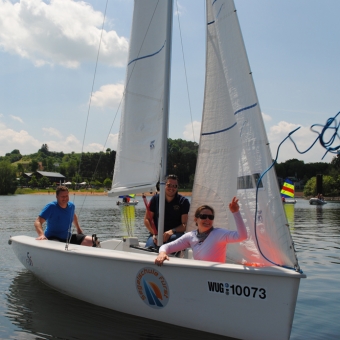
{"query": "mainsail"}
pixel 138 158
pixel 234 150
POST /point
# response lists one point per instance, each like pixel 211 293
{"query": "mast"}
pixel 165 127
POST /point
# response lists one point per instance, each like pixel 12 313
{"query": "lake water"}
pixel 30 310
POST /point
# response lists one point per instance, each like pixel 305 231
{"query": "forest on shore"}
pixel 97 168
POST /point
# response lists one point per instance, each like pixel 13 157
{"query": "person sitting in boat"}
pixel 320 197
pixel 207 242
pixel 126 199
pixel 175 216
pixel 59 216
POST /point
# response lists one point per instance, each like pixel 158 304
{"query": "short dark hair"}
pixel 172 177
pixel 202 207
pixel 61 188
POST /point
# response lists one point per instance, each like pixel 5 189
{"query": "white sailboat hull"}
pixel 260 303
pixel 126 204
pixel 289 201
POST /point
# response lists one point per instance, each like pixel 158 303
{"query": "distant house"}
pixel 54 177
pixel 27 175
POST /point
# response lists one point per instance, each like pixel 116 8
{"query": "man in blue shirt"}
pixel 59 216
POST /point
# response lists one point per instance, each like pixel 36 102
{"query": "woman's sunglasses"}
pixel 205 216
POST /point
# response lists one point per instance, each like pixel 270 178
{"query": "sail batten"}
pixel 147 56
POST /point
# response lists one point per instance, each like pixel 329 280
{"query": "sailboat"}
pixel 126 200
pixel 288 192
pixel 251 296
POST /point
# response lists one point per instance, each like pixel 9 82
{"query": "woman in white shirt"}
pixel 207 242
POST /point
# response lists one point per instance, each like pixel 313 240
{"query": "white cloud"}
pixel 27 144
pixel 94 147
pixel 21 140
pixel 112 141
pixel 18 119
pixel 60 32
pixel 266 118
pixel 192 131
pixel 179 9
pixel 108 95
pixel 52 132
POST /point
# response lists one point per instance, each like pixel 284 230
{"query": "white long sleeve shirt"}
pixel 214 247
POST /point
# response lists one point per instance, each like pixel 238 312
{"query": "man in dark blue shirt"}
pixel 175 216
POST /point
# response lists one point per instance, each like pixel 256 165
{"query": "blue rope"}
pixel 327 145
pixel 321 137
pixel 256 200
pixel 324 144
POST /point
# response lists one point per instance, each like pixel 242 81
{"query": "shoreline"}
pixel 82 193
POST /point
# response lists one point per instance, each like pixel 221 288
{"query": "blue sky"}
pixel 48 51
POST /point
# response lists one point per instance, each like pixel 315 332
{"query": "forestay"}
pixel 234 150
pixel 138 157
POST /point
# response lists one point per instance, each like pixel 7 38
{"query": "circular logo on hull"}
pixel 152 287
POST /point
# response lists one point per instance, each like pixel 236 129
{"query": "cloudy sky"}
pixel 48 53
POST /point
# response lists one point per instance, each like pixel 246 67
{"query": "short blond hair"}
pixel 61 188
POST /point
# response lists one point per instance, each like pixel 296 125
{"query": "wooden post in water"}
pixel 319 189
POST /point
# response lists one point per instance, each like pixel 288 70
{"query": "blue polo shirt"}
pixel 58 219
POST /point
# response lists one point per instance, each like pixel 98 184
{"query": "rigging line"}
pixel 127 82
pixel 94 78
pixel 68 239
pixel 93 81
pixel 124 93
pixel 185 71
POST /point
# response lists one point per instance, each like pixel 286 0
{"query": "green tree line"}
pixel 97 168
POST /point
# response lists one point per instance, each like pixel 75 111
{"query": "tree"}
pixel 310 187
pixel 8 183
pixel 107 183
pixel 336 162
pixel 14 156
pixel 33 182
pixel 44 182
pixel 44 149
pixel 329 186
pixel 21 169
pixel 33 165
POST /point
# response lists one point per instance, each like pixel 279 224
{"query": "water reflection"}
pixel 37 309
pixel 128 218
pixel 289 210
pixel 30 310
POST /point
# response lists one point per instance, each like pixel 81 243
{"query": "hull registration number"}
pixel 233 289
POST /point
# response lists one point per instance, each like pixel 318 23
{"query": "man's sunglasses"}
pixel 169 185
pixel 205 216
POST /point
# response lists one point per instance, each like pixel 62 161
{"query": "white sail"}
pixel 234 150
pixel 138 157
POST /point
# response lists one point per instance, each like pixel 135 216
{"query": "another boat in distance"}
pixel 288 192
pixel 251 296
pixel 319 200
pixel 126 200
